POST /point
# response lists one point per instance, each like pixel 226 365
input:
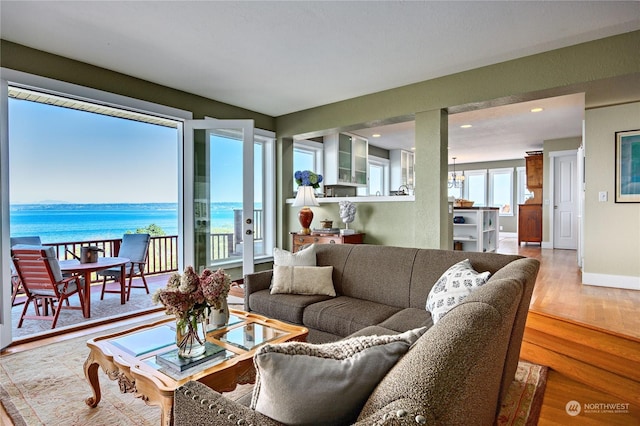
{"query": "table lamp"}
pixel 305 198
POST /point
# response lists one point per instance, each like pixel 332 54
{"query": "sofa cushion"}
pixel 285 307
pixel 302 280
pixel 408 319
pixel 345 315
pixel 453 287
pixel 304 257
pixel 304 384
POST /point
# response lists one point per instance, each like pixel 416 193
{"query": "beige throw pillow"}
pixel 305 384
pixel 304 257
pixel 303 280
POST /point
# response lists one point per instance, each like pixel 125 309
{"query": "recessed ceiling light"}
pixel 536 109
pixel 413 148
pixel 465 126
pixel 376 135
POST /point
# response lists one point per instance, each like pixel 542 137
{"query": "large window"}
pixel 378 177
pixel 307 155
pixel 475 187
pixel 501 190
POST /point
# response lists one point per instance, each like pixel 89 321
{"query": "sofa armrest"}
pixel 256 282
pixel 197 404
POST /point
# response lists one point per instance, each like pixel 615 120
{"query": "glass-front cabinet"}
pixel 346 158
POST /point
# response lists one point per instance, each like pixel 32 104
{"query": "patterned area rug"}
pixel 522 404
pixel 46 386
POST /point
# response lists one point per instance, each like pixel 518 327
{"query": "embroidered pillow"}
pixel 304 257
pixel 453 287
pixel 303 280
pixel 327 384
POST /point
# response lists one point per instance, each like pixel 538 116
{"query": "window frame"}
pixel 491 189
pixel 317 150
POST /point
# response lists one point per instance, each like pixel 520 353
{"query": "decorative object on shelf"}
pixel 455 181
pixel 326 224
pixel 190 297
pixel 304 199
pixel 458 219
pixel 462 203
pixel 347 214
pixel 627 166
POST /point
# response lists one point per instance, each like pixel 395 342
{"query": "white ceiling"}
pixel 278 57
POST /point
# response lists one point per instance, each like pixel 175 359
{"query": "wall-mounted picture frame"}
pixel 628 166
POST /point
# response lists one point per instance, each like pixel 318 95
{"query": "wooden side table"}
pixel 299 240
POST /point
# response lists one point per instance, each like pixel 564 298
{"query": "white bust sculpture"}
pixel 347 212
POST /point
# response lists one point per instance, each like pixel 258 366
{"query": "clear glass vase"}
pixel 191 336
pixel 218 317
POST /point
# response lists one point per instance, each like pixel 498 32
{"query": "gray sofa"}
pixel 456 373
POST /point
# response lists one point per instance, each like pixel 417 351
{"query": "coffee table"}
pixel 129 357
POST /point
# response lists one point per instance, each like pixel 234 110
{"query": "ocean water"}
pixel 56 223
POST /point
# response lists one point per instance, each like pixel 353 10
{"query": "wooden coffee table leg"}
pixel 91 374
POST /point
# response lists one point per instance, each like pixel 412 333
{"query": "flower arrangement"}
pixel 308 178
pixel 188 297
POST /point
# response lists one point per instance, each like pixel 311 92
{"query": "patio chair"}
pixel 135 247
pixel 43 283
pixel 16 285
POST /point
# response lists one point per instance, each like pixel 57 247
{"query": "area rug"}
pixel 46 386
pixel 522 404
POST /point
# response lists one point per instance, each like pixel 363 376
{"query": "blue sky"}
pixel 64 155
pixel 61 154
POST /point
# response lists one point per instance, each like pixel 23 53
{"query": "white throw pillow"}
pixel 453 287
pixel 305 384
pixel 303 280
pixel 304 257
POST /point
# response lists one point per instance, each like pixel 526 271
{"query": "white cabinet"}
pixel 345 160
pixel 476 229
pixel 401 168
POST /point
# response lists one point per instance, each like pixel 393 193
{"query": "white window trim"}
pixel 492 173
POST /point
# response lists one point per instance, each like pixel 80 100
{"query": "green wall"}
pixel 37 62
pixel 601 69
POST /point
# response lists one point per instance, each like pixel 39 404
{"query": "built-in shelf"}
pixel 479 232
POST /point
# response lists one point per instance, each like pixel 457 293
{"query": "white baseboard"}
pixel 614 281
pixel 547 245
pixel 504 235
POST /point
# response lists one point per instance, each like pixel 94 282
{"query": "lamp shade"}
pixel 305 197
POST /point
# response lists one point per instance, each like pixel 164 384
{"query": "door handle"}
pixel 248 232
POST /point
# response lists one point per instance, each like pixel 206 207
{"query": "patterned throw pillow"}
pixel 453 287
pixel 328 384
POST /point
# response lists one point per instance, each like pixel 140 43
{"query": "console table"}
pixel 299 240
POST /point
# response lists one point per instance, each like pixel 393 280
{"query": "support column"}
pixel 432 224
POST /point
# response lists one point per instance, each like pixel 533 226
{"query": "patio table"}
pixel 74 266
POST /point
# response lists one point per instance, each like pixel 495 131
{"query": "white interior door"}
pixel 218 194
pixel 565 205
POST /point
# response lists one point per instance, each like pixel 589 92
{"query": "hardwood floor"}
pixel 589 336
pixel 603 314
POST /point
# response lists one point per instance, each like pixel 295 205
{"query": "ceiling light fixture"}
pixel 375 135
pixel 455 181
pixel 466 126
pixel 538 109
